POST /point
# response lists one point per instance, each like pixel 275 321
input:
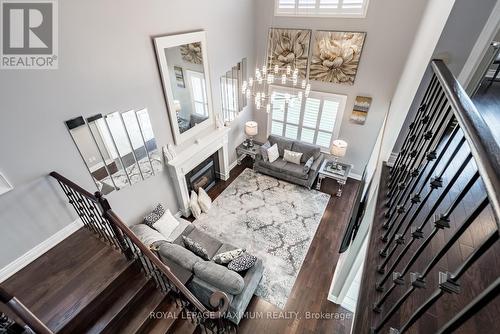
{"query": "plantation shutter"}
pixel 321 7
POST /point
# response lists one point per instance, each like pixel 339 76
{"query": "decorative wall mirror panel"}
pixel 119 149
pixel 185 77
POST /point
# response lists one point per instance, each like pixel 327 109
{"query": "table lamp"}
pixel 251 130
pixel 338 149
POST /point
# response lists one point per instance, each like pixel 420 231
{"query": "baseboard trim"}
pixel 233 164
pixel 39 250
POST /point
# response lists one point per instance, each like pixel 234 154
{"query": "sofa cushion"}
pixel 219 276
pixel 294 170
pixel 211 244
pixel 178 254
pixel 166 224
pixel 308 150
pixel 195 247
pixel 277 166
pixel 283 143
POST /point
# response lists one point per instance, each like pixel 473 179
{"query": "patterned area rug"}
pixel 274 220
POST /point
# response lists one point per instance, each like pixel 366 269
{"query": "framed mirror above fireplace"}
pixel 184 70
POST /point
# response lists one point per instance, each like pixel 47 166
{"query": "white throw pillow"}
pixel 194 206
pixel 146 234
pixel 166 224
pixel 272 153
pixel 293 157
pixel 204 200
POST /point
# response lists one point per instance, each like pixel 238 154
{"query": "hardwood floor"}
pixel 487 101
pixel 310 291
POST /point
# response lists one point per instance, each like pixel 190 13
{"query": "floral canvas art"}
pixel 289 47
pixel 335 56
pixel 192 53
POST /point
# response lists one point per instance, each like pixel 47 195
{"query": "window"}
pixel 315 119
pixel 328 8
pixel 197 87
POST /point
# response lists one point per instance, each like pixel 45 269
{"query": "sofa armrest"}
pixel 317 163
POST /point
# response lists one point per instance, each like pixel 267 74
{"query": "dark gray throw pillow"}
pixel 154 215
pixel 308 164
pixel 242 263
pixel 195 247
pixel 263 150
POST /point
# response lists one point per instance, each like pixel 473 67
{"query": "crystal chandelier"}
pixel 258 86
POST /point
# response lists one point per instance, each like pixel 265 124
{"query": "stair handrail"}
pixel 20 310
pixel 219 300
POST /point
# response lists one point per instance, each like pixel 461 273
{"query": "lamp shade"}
pixel 251 128
pixel 339 148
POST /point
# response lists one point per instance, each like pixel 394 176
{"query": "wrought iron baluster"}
pixel 431 156
pixel 415 140
pixel 448 282
pixel 418 234
pixel 412 126
pixel 435 183
pixel 426 133
pixel 440 222
pixel 418 280
pixel 434 134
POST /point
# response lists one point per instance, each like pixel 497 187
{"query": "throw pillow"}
pixel 272 153
pixel 226 257
pixel 242 263
pixel 154 215
pixel 195 247
pixel 263 150
pixel 166 224
pixel 194 205
pixel 308 164
pixel 178 254
pixel 293 157
pixel 147 235
pixel 204 200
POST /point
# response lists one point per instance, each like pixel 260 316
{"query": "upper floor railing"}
pixel 444 182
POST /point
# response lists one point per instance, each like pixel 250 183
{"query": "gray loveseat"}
pixel 209 277
pixel 288 171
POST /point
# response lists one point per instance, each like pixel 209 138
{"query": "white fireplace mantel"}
pixel 189 158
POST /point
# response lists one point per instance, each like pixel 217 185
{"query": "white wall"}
pixel 107 63
pixel 391 26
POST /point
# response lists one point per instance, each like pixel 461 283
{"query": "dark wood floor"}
pixel 487 101
pixel 477 278
pixel 310 291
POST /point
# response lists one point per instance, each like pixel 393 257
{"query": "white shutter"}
pixel 277 128
pixel 293 113
pixel 286 4
pixel 328 115
pixel 311 111
pixel 329 8
pixel 278 103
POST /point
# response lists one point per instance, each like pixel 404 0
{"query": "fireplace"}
pixel 203 175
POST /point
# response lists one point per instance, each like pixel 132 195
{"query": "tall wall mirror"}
pixel 185 77
pixel 119 149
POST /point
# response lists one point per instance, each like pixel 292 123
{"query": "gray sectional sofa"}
pixel 295 173
pixel 208 277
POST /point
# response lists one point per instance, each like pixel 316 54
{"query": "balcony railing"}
pixel 444 186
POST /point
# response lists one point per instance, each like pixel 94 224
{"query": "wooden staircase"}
pixel 83 285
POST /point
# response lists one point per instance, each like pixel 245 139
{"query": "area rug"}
pixel 274 220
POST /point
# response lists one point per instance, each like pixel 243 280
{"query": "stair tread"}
pixel 122 296
pixel 162 323
pixel 66 279
pixel 182 326
pixel 139 311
